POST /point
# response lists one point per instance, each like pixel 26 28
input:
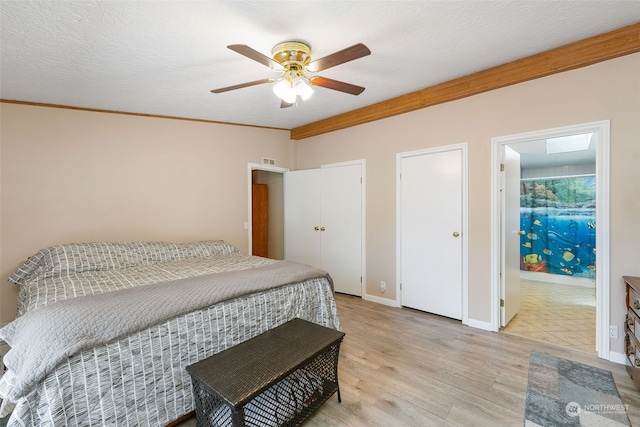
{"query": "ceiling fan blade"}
pixel 241 85
pixel 336 85
pixel 345 55
pixel 285 104
pixel 250 53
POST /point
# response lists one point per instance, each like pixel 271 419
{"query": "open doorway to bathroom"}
pixel 560 299
pixel 557 243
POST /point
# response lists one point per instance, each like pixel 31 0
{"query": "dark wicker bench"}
pixel 277 378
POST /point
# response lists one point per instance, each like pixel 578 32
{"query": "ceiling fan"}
pixel 293 59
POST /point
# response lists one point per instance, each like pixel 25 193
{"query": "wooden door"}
pixel 260 220
pixel 431 227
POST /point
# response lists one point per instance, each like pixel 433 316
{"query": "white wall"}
pixel 555 171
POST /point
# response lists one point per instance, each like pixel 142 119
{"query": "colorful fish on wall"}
pixel 557 225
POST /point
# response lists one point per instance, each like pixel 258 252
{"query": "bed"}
pixel 105 330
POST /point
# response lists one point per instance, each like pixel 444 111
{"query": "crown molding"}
pixel 127 113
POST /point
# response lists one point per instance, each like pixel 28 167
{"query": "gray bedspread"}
pixel 41 339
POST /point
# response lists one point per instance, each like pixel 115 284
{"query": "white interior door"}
pixel 323 222
pixel 431 227
pixel 510 264
pixel 342 226
pixel 302 214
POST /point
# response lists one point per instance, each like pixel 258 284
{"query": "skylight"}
pixel 569 143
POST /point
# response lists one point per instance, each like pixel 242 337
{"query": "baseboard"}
pixel 486 326
pixel 479 324
pixel 616 357
pixel 384 301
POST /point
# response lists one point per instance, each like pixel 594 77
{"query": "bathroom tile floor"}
pixel 556 313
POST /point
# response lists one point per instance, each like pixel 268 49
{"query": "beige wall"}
pixel 609 90
pixel 70 176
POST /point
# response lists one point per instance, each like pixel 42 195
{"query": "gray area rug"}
pixel 561 392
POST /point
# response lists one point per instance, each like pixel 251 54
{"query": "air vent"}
pixel 268 161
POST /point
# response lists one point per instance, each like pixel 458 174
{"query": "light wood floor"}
pixel 401 367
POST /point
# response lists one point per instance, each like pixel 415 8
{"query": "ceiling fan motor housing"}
pixel 292 53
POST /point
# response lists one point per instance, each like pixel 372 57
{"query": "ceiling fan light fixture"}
pixel 284 90
pixel 302 88
pixel 293 60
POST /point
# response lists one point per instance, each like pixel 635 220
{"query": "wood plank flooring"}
pixel 402 367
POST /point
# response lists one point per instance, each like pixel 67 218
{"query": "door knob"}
pixel 316 228
pixel 322 228
pixel 456 234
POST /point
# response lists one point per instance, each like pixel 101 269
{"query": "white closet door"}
pixel 302 214
pixel 323 222
pixel 431 226
pixel 342 221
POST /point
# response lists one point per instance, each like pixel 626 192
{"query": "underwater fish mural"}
pixel 540 267
pixel 534 262
pixel 532 259
pixel 558 225
pixel 568 256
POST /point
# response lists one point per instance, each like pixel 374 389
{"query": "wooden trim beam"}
pixel 620 42
pixel 126 113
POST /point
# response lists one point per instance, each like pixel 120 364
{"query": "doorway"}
pixel 266 214
pixel 561 246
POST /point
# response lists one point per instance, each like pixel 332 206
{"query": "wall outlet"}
pixel 613 331
pixel 383 286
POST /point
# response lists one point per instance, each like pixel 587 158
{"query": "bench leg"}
pixel 237 418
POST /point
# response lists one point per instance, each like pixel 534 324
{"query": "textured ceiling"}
pixel 164 57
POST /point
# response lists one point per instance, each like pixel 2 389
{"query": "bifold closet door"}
pixel 323 222
pixel 341 248
pixel 301 216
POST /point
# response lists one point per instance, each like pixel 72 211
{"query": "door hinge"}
pixel 501 303
pixel 501 167
pixel 360 279
pixel 400 286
